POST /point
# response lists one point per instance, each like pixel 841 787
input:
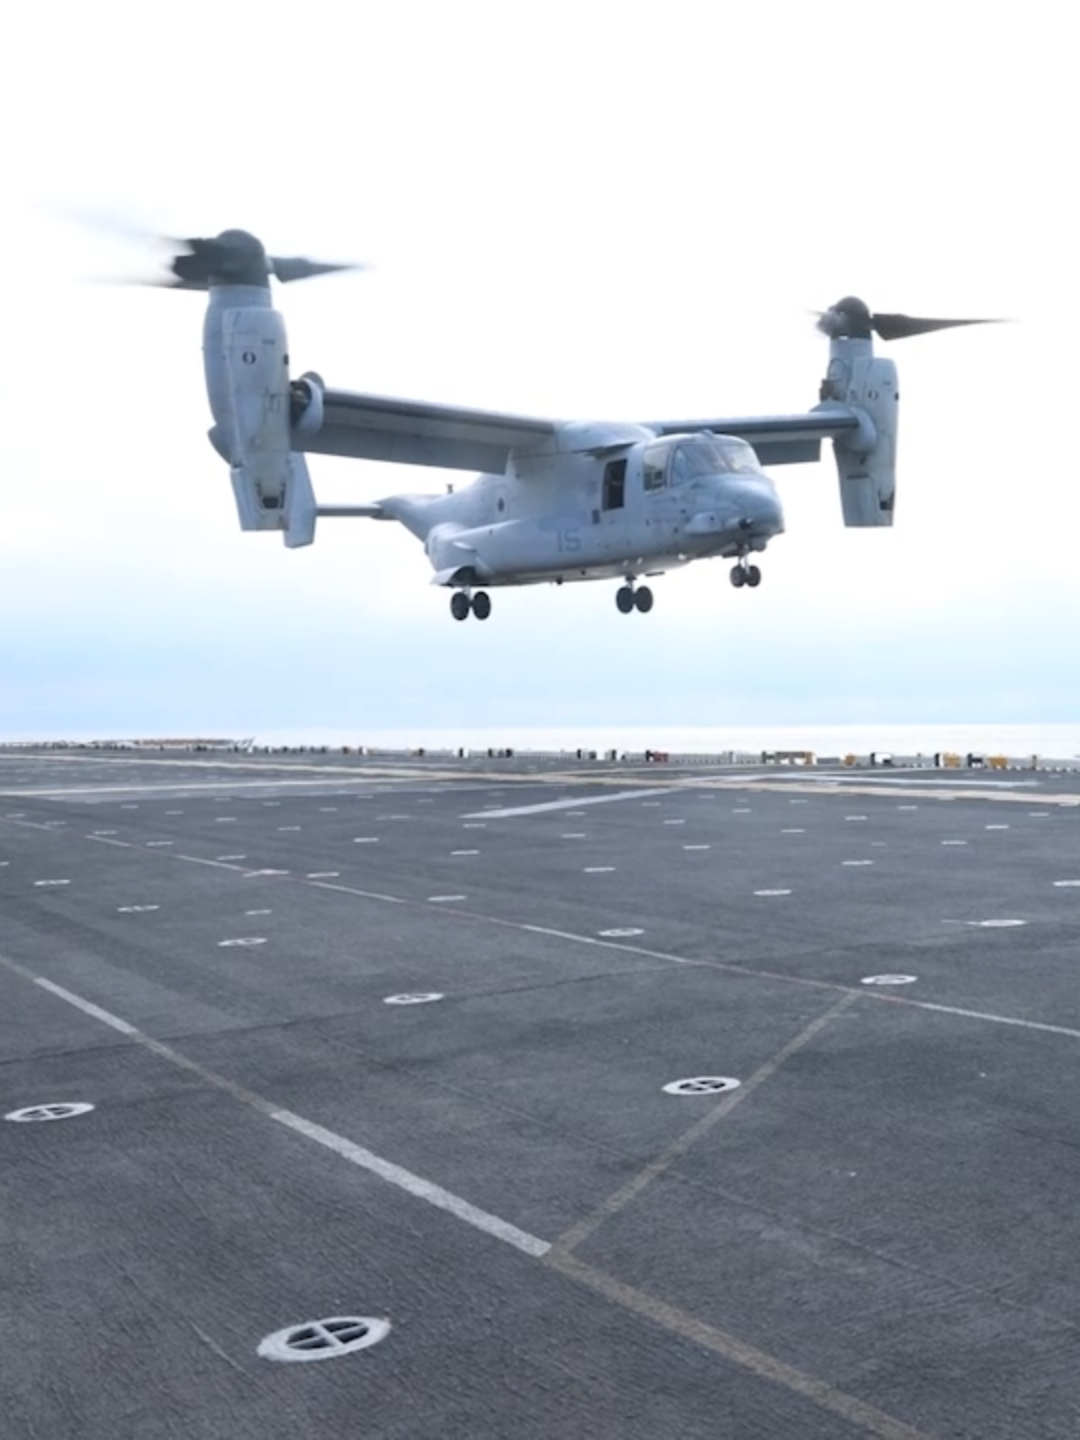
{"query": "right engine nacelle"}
pixel 859 380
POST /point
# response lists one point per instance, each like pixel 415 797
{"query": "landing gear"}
pixel 462 603
pixel 743 574
pixel 627 598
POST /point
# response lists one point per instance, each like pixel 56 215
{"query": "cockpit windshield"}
pixel 675 462
pixel 711 455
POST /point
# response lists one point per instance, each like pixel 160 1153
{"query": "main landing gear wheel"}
pixel 624 599
pixel 643 599
pixel 461 605
pixel 742 574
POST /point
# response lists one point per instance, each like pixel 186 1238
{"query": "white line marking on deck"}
pixel 393 1174
pixel 578 800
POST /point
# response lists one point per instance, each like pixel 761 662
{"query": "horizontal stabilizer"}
pixel 343 512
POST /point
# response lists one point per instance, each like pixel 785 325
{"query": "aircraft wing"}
pixel 777 439
pixel 412 432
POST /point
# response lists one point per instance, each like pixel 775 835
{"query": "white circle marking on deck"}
pixel 702 1085
pixel 327 1339
pixel 55 1110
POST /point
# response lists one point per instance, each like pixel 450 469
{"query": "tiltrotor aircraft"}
pixel 556 500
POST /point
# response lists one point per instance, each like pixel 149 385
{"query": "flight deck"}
pixel 423 1098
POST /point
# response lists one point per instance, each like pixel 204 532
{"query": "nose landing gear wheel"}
pixel 743 574
pixel 643 599
pixel 624 599
pixel 460 605
pixel 481 605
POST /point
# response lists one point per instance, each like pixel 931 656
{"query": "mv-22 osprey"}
pixel 556 500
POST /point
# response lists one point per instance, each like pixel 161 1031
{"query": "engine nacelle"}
pixel 860 381
pixel 247 377
pixel 307 403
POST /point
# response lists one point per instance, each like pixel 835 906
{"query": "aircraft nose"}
pixel 759 508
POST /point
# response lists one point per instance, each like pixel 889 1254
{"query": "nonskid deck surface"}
pixel 874 1233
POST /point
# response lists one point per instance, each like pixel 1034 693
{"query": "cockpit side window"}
pixel 654 467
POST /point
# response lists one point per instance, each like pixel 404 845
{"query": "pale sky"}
pixel 601 210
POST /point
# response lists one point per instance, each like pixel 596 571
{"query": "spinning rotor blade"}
pixel 851 319
pixel 235 257
pixel 899 327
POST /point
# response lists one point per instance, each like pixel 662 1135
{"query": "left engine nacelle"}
pixel 247 377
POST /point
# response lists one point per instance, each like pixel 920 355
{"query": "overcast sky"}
pixel 584 210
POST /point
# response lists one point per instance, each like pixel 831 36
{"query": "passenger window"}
pixel 614 485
